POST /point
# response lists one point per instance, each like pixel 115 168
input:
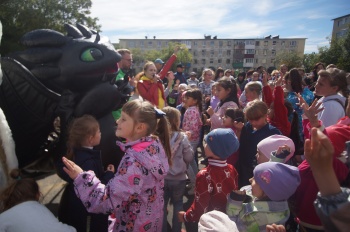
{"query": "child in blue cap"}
pixel 218 179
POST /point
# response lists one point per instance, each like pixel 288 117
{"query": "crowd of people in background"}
pixel 270 144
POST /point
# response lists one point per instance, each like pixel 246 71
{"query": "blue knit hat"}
pixel 278 181
pixel 222 142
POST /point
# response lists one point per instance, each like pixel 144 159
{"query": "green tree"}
pixel 310 60
pixel 337 53
pixel 291 59
pixel 19 17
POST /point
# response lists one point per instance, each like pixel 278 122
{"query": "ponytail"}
pixel 163 133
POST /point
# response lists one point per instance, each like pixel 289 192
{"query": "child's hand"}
pixel 275 228
pixel 210 111
pixel 110 168
pixel 279 81
pixel 180 216
pixel 188 133
pixel 238 125
pixel 264 79
pixel 319 151
pixel 71 168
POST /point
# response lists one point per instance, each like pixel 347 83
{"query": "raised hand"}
pixel 71 168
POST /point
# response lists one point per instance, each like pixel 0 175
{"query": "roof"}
pixel 341 17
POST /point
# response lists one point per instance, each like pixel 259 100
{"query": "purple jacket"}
pixel 134 197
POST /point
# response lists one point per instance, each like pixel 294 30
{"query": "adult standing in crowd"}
pixel 164 68
pixel 124 66
pixel 180 75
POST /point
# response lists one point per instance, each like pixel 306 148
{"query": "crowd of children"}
pixel 271 151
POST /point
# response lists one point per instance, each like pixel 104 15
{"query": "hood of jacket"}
pixel 149 152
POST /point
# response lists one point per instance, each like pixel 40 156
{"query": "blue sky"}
pixel 191 19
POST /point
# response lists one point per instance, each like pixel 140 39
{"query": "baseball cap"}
pixel 180 65
pixel 159 61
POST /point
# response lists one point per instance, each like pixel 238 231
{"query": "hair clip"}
pixel 159 113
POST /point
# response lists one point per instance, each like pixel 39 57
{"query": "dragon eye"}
pixel 91 54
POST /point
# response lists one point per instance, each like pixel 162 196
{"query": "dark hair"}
pixel 296 80
pixel 80 129
pixel 314 70
pixel 196 94
pixel 255 110
pixel 250 72
pixel 217 72
pixel 144 112
pixel 227 83
pixel 19 191
pixel 294 132
pixel 235 114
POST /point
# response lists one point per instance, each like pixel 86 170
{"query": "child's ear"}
pixel 140 127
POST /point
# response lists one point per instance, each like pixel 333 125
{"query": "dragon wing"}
pixel 29 108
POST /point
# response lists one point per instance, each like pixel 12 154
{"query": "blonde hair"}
pixel 173 115
pixel 255 110
pixel 336 77
pixel 254 86
pixel 144 112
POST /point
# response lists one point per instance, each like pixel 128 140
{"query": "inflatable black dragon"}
pixel 61 76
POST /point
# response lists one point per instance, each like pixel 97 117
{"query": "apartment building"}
pixel 340 26
pixel 239 54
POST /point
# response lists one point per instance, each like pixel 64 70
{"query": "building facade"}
pixel 340 26
pixel 238 54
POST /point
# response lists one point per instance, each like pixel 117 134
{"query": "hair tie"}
pixel 159 113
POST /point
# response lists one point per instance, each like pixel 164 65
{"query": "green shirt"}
pixel 116 114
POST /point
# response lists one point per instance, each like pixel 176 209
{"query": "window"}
pixel 203 52
pixel 194 53
pixel 265 52
pixel 273 52
pixel 227 61
pixel 219 60
pixel 266 43
pixel 228 43
pixel 203 44
pixel 211 60
pixel 131 44
pixel 283 42
pixel 249 60
pixel 166 43
pixel 211 52
pixel 250 51
pixel 263 61
pixel 195 61
pixel 195 43
pixel 220 43
pixel 150 43
pixel 228 53
pixel 220 52
pixel 257 43
pixel 249 42
pixel 142 44
pixel 256 61
pixel 293 43
pixel 203 61
pixel 274 42
pixel 211 43
pixel 159 43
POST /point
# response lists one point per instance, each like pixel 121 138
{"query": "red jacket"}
pixel 213 184
pixel 280 119
pixel 149 91
pixel 167 66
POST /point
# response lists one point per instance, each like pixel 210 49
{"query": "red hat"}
pixel 338 134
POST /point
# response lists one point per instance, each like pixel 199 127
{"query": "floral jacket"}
pixel 134 197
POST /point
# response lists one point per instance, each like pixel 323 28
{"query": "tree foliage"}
pixel 337 53
pixel 21 16
pixel 183 55
pixel 291 59
pixel 310 60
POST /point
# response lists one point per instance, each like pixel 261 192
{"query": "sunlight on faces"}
pixel 189 101
pixel 250 95
pixel 260 157
pixel 221 92
pixel 126 61
pixel 323 87
pixel 258 123
pixel 256 190
pixel 126 127
pixel 150 71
